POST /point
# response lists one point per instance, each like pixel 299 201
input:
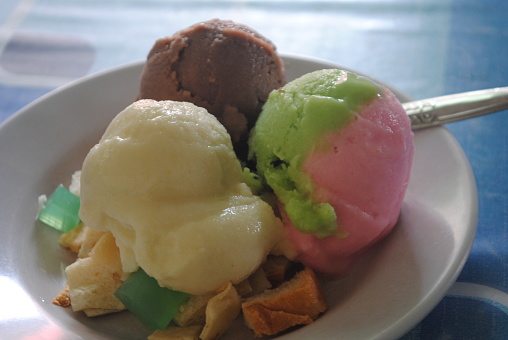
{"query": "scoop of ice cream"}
pixel 223 66
pixel 164 179
pixel 337 150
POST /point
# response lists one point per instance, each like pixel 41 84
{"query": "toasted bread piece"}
pixel 296 302
pixel 192 312
pixel 63 298
pixel 91 312
pixel 81 240
pixel 73 238
pixel 243 288
pixel 177 333
pixel 221 310
pixel 93 280
pixel 90 239
pixel 259 282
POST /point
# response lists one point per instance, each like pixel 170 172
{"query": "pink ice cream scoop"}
pixel 337 150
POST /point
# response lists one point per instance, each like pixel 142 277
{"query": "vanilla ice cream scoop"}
pixel 164 179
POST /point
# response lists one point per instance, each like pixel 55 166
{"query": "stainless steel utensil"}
pixel 450 108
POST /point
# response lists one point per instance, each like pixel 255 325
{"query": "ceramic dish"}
pixel 404 277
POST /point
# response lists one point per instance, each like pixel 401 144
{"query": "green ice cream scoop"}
pixel 292 124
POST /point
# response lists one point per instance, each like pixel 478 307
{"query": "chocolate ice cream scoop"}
pixel 225 67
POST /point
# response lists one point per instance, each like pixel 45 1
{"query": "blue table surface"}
pixel 423 47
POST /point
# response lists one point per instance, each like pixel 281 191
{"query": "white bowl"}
pixel 405 276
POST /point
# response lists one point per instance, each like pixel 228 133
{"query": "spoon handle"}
pixel 446 109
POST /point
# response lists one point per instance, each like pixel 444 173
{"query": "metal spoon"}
pixel 446 109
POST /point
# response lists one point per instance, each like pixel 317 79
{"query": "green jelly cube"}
pixel 153 305
pixel 61 210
